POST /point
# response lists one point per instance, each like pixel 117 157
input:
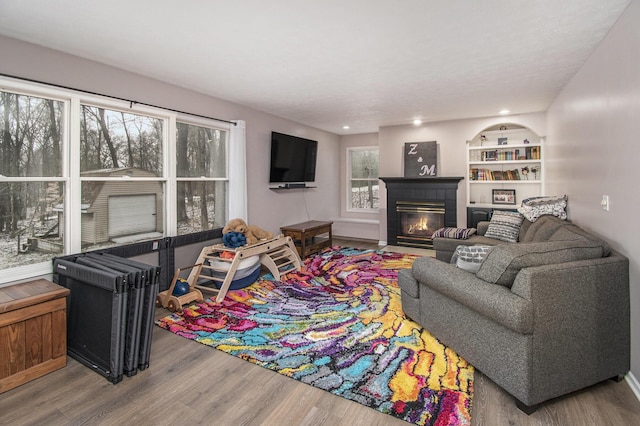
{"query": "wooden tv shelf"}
pixel 309 237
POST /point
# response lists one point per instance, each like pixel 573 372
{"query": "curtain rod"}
pixel 131 102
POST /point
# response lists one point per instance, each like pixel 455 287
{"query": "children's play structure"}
pixel 224 264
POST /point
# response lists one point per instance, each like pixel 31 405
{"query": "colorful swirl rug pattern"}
pixel 338 325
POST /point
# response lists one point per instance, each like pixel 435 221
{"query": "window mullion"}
pixel 73 194
pixel 171 190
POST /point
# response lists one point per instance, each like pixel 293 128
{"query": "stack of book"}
pixel 486 174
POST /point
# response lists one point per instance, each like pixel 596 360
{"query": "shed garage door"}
pixel 132 214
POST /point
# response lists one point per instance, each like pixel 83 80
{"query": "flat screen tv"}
pixel 293 159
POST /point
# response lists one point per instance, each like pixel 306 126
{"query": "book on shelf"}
pixel 528 153
pixel 489 155
pixel 535 152
pixel 477 174
pixel 532 153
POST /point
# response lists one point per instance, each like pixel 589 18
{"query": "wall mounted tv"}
pixel 293 159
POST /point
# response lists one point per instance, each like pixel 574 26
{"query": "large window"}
pixel 362 186
pixel 80 172
pixel 201 154
pixel 31 179
pixel 121 157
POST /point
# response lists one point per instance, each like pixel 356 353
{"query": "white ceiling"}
pixel 329 63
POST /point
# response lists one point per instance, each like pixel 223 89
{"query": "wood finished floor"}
pixel 189 383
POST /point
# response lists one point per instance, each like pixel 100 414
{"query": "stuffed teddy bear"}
pixel 252 233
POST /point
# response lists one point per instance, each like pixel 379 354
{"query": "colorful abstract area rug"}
pixel 338 325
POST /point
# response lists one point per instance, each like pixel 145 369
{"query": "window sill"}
pixel 25 272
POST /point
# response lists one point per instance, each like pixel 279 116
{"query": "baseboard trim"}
pixel 633 384
pixel 356 220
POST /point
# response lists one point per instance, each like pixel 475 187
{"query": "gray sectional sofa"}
pixel 542 317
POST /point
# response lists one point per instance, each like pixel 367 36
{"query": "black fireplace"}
pixel 416 207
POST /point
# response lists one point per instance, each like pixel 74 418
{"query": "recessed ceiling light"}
pixel 417 122
pixel 505 112
pixel 346 127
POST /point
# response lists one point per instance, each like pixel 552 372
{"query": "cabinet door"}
pixel 477 214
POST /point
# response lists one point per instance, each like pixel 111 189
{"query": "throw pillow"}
pixel 534 207
pixel 469 258
pixel 457 233
pixel 504 226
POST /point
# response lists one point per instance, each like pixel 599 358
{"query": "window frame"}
pixel 70 151
pixel 349 179
pixel 200 122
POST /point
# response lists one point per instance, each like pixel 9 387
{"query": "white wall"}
pixel 452 137
pixel 593 130
pixel 266 208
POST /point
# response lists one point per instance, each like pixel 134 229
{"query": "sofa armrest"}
pixel 481 227
pixel 581 319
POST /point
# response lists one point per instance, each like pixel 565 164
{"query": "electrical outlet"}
pixel 605 203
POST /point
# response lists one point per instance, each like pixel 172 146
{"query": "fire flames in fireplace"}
pixel 417 221
pixel 421 227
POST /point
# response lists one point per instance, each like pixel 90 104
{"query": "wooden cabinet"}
pixel 479 214
pixel 33 331
pixel 309 237
pixel 503 160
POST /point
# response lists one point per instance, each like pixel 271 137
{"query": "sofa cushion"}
pixel 542 229
pixel 571 232
pixel 534 207
pixel 469 258
pixel 457 233
pixel 492 301
pixel 505 260
pixel 524 228
pixel 504 226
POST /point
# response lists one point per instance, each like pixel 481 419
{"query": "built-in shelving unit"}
pixel 504 157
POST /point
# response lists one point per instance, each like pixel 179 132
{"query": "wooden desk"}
pixel 33 331
pixel 309 237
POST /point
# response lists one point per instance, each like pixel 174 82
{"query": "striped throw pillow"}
pixel 504 226
pixel 457 233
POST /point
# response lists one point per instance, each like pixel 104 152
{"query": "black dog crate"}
pixel 96 316
pixel 111 310
pixel 112 303
pixel 151 280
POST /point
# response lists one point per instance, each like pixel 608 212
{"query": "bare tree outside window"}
pixel 363 182
pixel 30 211
pixel 201 153
pixel 115 140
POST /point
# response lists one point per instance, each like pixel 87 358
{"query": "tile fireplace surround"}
pixel 434 189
